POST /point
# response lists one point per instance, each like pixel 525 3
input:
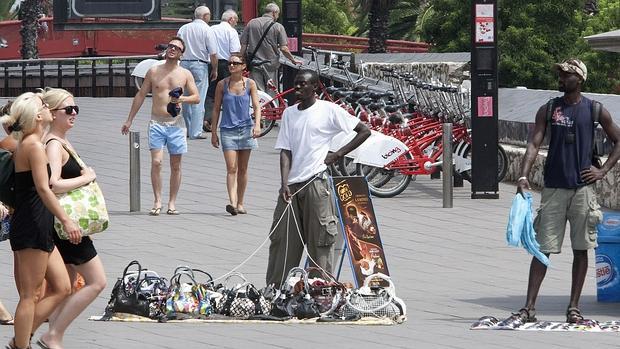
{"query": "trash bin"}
pixel 608 258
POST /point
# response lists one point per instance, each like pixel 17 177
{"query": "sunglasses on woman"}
pixel 70 109
pixel 235 63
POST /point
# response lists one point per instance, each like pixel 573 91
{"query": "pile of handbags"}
pixel 305 294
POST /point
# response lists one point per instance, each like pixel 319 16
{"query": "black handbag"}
pixel 126 296
pixel 294 299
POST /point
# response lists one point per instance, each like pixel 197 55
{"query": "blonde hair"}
pixel 21 115
pixel 54 96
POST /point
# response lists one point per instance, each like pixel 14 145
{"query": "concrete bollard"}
pixel 447 166
pixel 134 171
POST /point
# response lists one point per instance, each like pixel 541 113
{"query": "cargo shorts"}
pixel 577 206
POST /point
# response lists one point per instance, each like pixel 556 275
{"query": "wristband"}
pixel 521 178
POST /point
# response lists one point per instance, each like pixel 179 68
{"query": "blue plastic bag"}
pixel 520 230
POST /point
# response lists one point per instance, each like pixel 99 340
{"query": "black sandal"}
pixel 573 315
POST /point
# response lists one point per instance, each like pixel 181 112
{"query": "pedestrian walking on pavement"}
pixel 32 225
pixel 306 132
pixel 166 128
pixel 274 42
pixel 200 51
pixel 570 172
pixel 238 131
pixel 227 42
pixel 66 175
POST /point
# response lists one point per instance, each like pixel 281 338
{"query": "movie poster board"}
pixel 360 228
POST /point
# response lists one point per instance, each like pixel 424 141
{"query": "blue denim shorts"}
pixel 173 137
pixel 238 138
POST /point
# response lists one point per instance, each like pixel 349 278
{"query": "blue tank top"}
pixel 235 108
pixel 566 159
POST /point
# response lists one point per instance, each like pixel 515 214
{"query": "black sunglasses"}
pixel 175 47
pixel 235 63
pixel 69 109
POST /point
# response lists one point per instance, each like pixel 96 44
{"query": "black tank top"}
pixel 566 159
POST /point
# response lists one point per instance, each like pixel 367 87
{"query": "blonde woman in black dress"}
pixel 66 175
pixel 32 229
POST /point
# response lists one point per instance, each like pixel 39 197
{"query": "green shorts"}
pixel 577 206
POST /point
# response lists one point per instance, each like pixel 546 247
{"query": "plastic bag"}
pixel 520 229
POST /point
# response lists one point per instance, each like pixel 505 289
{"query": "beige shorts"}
pixel 577 206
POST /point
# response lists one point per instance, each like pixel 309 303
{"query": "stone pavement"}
pixel 451 266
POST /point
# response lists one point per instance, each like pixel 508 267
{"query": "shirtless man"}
pixel 165 129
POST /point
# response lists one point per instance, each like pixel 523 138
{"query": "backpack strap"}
pixel 597 107
pixel 595 113
pixel 549 115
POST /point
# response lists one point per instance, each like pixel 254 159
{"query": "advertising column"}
pixel 484 106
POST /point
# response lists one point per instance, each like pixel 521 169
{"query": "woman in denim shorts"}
pixel 238 131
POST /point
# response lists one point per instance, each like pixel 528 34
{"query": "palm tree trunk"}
pixel 378 17
pixel 29 14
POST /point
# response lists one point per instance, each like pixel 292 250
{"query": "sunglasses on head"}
pixel 235 63
pixel 175 47
pixel 70 108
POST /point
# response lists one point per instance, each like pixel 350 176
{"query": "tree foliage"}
pixel 532 35
pixel 322 16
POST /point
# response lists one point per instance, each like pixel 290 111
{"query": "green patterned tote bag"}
pixel 84 205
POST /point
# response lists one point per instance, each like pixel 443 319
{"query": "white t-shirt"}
pixel 308 133
pixel 226 40
pixel 199 41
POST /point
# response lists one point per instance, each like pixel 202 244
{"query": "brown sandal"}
pixel 573 315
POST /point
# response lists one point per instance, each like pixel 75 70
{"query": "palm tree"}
pixel 405 18
pixel 29 12
pixel 378 17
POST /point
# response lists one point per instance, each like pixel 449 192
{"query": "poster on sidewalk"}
pixel 360 228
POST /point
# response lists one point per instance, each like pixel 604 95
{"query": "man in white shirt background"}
pixel 226 42
pixel 199 51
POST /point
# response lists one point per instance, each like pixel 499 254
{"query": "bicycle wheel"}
pixel 347 167
pixel 385 182
pixel 267 121
pixel 502 164
pixel 138 80
pixel 266 126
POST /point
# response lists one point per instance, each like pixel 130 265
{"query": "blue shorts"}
pixel 173 137
pixel 238 138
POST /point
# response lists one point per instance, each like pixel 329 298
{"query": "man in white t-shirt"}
pixel 306 131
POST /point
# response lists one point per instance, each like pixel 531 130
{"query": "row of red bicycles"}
pixel 412 111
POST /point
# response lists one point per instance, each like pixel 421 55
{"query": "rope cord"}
pixel 288 207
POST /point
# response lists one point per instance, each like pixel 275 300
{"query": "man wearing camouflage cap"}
pixel 568 193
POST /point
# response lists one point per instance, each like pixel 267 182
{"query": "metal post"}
pixel 134 171
pixel 447 165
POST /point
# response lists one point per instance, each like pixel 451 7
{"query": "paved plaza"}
pixel 451 266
